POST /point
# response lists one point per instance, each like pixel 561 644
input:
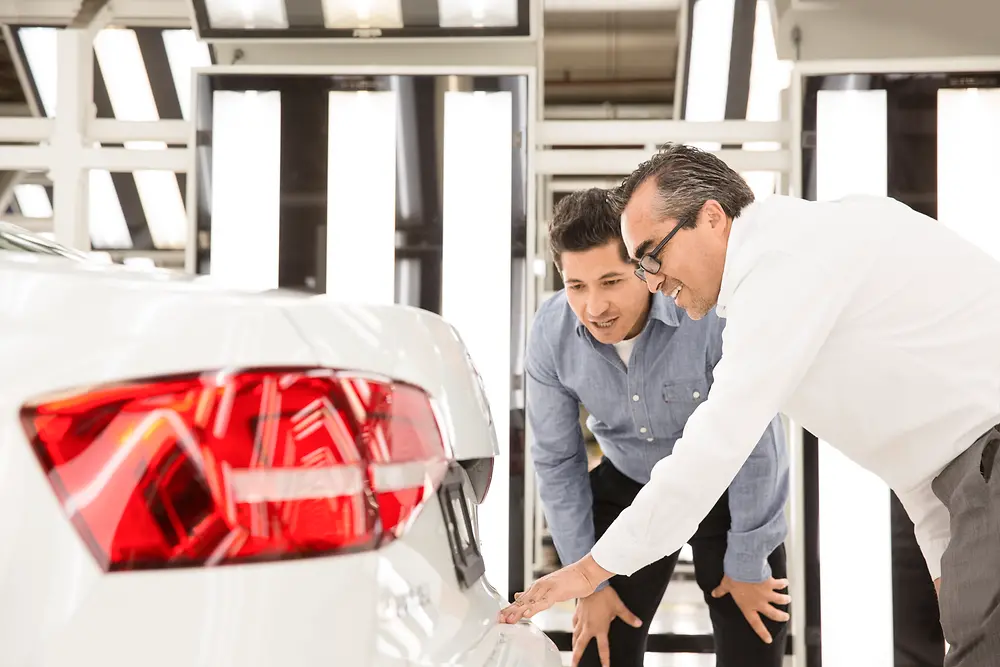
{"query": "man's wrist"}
pixel 592 572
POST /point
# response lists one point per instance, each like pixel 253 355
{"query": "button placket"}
pixel 640 416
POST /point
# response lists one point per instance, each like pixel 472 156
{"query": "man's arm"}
pixel 757 496
pixel 558 452
pixel 757 499
pixel 778 319
pixel 931 525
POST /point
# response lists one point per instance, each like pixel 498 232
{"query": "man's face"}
pixel 604 293
pixel 691 263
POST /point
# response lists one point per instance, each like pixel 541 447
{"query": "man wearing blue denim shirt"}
pixel 640 366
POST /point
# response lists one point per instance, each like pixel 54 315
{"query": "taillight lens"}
pixel 233 467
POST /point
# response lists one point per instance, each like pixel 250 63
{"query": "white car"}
pixel 200 478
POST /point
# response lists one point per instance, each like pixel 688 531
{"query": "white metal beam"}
pixel 26 129
pixel 74 106
pixel 619 162
pixel 133 13
pixel 496 54
pixel 643 132
pixel 109 131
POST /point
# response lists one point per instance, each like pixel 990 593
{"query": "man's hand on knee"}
pixel 592 620
pixel 756 600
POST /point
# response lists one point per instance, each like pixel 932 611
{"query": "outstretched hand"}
pixel 574 581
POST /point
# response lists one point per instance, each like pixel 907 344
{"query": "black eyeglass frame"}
pixel 648 262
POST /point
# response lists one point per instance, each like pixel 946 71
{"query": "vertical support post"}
pixel 74 108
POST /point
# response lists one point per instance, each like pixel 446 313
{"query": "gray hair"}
pixel 686 178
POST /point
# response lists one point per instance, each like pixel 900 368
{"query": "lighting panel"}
pixel 33 201
pixel 969 162
pixel 108 227
pixel 768 78
pixel 708 71
pixel 246 158
pixel 362 14
pixel 184 53
pixel 477 13
pixel 247 14
pixel 361 196
pixel 852 150
pixel 476 275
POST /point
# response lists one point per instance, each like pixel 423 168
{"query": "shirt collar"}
pixel 661 308
pixel 742 228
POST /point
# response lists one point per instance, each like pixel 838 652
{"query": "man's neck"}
pixel 640 323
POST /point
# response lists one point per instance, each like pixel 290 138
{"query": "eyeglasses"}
pixel 648 262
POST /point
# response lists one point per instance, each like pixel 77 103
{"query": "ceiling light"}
pixel 362 14
pixel 478 13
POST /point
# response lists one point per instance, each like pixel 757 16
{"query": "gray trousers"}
pixel 970 568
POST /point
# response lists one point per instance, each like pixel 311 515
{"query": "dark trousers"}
pixel 970 588
pixel 736 644
pixel 916 621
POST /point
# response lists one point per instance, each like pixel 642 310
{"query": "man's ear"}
pixel 714 214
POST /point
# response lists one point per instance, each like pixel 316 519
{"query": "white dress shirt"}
pixel 873 326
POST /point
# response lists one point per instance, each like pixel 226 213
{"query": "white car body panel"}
pixel 65 326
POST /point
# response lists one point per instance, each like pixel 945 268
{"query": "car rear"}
pixel 195 477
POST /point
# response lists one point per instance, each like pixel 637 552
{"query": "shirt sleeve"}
pixel 931 525
pixel 757 496
pixel 779 317
pixel 558 453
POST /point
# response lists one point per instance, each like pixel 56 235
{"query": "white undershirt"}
pixel 624 349
pixel 872 326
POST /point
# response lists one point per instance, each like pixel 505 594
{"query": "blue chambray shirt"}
pixel 637 414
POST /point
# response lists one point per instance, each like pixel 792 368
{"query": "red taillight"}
pixel 235 467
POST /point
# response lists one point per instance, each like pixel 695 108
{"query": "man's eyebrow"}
pixel 642 248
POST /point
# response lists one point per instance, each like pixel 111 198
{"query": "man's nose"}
pixel 654 282
pixel 596 306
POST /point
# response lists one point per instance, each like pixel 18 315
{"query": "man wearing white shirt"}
pixel 869 324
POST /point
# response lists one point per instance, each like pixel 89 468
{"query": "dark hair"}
pixel 686 178
pixel 583 220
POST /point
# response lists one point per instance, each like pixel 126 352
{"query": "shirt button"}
pixel 649 440
pixel 697 394
pixel 642 430
pixel 636 397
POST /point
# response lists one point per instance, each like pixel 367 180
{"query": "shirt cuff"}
pixel 621 559
pixel 745 567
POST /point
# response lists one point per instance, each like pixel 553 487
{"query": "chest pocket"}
pixel 680 398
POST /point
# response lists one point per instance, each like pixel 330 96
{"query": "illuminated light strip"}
pixel 476 261
pixel 708 70
pixel 361 197
pixel 33 201
pixel 131 97
pixel 768 77
pixel 246 158
pixel 851 152
pixel 477 13
pixel 248 14
pixel 184 53
pixel 362 14
pixel 969 162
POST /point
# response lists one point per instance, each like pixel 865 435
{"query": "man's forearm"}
pixel 757 500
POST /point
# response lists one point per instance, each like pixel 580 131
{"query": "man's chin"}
pixel 607 336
